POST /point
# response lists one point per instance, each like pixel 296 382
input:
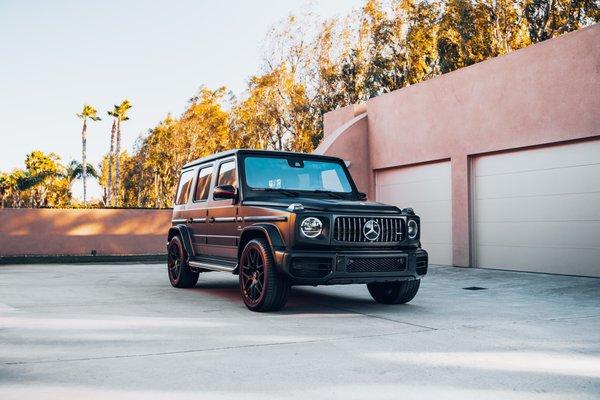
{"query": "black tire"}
pixel 394 292
pixel 261 287
pixel 179 271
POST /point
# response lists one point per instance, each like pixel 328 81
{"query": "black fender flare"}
pixel 184 233
pixel 270 231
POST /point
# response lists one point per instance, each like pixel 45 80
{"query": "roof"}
pixel 228 153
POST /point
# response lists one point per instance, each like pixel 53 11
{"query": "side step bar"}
pixel 211 266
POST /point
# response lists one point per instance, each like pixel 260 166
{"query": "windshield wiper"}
pixel 330 193
pixel 284 191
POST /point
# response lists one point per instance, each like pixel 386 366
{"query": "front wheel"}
pixel 262 288
pixel 394 292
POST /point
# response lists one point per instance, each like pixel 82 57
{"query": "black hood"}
pixel 324 204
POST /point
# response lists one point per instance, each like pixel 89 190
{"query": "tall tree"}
pixel 420 50
pixel 120 114
pixel 111 157
pixel 550 18
pixel 90 113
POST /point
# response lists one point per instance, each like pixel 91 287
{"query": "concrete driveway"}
pixel 121 331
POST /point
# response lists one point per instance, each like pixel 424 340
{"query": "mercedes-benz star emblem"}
pixel 371 230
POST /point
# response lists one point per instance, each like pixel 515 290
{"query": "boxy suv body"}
pixel 279 219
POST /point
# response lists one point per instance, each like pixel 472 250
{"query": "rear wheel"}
pixel 394 292
pixel 262 288
pixel 180 274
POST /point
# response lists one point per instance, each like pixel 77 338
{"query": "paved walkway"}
pixel 116 331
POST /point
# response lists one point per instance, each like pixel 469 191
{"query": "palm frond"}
pixel 75 170
pixel 28 181
pixel 89 112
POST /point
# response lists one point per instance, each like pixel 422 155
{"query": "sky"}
pixel 57 55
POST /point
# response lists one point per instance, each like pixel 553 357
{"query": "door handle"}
pixel 211 219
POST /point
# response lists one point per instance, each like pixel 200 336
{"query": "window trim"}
pixel 175 203
pixel 235 167
pixel 200 168
pixel 216 180
pixel 342 165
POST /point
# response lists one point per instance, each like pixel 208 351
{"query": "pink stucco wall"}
pixel 79 231
pixel 334 120
pixel 543 94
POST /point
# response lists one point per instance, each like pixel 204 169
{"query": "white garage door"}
pixel 539 210
pixel 426 189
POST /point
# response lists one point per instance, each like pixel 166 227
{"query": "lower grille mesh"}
pixel 387 264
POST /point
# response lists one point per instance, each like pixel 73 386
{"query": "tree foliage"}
pixel 44 182
pixel 312 66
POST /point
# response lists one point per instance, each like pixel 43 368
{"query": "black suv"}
pixel 278 219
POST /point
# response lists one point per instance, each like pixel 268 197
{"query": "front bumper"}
pixel 345 267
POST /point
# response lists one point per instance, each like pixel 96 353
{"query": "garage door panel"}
pixel 539 209
pixel 437 232
pixel 439 254
pixel 427 189
pixel 580 179
pixel 417 173
pixel 570 207
pixel 574 235
pixel 574 154
pixel 417 191
pixel 550 260
pixel 436 211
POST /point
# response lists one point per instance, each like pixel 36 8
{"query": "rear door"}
pixel 197 219
pixel 222 237
pixel 183 210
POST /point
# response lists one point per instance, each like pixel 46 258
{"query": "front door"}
pixel 223 235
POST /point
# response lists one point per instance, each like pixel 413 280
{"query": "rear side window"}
pixel 227 174
pixel 185 185
pixel 203 183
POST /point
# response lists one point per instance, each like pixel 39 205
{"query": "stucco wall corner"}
pixel 350 142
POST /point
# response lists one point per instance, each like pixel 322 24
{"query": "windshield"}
pixel 295 173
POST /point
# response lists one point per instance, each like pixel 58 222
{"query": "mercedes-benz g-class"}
pixel 279 219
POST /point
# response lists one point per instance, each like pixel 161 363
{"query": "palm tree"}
pixel 88 112
pixel 75 171
pixel 119 113
pixel 111 156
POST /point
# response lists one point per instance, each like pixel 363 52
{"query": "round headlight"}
pixel 311 227
pixel 413 229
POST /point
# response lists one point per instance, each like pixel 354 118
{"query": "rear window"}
pixel 185 185
pixel 203 183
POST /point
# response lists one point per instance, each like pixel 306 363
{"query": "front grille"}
pixel 385 264
pixel 350 229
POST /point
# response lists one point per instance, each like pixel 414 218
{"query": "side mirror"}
pixel 224 192
pixel 362 196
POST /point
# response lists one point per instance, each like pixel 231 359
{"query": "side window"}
pixel 203 183
pixel 185 184
pixel 227 174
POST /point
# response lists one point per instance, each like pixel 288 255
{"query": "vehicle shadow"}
pixel 303 299
pixel 223 289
